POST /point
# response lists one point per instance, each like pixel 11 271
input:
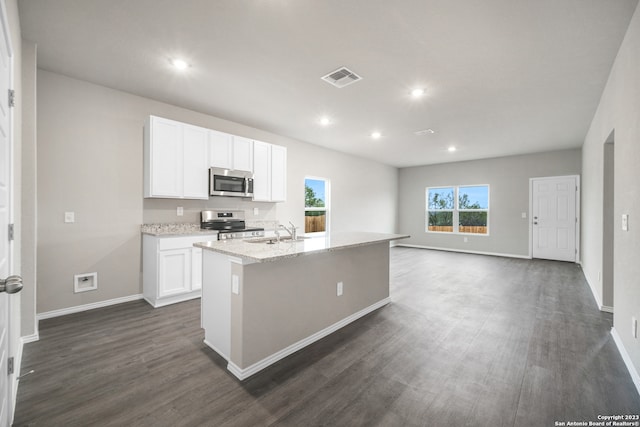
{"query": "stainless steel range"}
pixel 230 224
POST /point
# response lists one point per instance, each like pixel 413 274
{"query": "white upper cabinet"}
pixel 162 158
pixel 220 149
pixel 278 173
pixel 230 151
pixel 261 171
pixel 242 153
pixel 269 172
pixel 175 160
pixel 196 164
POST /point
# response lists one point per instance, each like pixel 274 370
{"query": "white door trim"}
pixel 578 220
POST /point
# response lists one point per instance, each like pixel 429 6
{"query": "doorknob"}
pixel 11 285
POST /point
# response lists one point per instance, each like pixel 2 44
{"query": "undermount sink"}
pixel 272 240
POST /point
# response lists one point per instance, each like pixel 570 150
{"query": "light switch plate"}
pixel 180 211
pixel 339 288
pixel 625 222
pixel 69 217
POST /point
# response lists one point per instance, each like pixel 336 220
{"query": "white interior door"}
pixel 554 219
pixel 5 212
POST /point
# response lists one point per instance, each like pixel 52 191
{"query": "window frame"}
pixel 327 205
pixel 456 210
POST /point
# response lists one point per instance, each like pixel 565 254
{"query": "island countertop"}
pixel 258 250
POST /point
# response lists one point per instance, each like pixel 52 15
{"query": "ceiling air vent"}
pixel 341 77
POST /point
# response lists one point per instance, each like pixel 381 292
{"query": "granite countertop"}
pixel 174 229
pixel 186 228
pixel 259 251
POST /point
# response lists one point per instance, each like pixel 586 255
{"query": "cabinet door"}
pixel 174 272
pixel 220 150
pixel 242 153
pixel 278 173
pixel 196 162
pixel 165 148
pixel 196 269
pixel 261 171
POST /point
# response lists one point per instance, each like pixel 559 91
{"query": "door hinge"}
pixel 12 98
pixel 10 366
pixel 10 233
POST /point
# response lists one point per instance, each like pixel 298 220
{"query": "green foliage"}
pixel 464 203
pixel 440 202
pixel 473 219
pixel 439 219
pixel 310 199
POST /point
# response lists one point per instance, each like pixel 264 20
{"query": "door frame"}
pixel 13 326
pixel 578 220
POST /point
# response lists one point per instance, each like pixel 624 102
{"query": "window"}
pixel 462 209
pixel 316 205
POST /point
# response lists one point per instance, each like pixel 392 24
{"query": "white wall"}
pixel 508 178
pixel 90 162
pixel 619 111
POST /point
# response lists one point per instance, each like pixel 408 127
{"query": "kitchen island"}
pixel 263 301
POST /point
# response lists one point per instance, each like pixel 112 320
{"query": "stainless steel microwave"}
pixel 234 183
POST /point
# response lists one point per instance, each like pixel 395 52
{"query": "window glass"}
pixel 474 197
pixel 440 209
pixel 463 209
pixel 441 198
pixel 316 193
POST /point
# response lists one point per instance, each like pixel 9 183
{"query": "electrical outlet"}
pixel 180 211
pixel 256 211
pixel 634 327
pixel 235 284
pixel 69 217
pixel 524 215
pixel 466 240
pixel 625 222
pixel 339 287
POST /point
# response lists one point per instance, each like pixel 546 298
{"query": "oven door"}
pixel 224 183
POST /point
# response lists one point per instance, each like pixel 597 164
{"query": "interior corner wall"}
pixel 89 155
pixel 508 178
pixel 619 111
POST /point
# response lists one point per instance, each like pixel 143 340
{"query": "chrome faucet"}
pixel 292 231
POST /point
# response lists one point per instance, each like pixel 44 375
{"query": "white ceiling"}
pixel 502 77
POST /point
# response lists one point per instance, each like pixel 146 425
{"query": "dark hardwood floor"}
pixel 468 340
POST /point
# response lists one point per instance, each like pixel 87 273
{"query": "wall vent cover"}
pixel 341 77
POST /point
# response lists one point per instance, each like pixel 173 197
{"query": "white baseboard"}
pixel 30 338
pixel 270 360
pixel 465 251
pixel 594 292
pixel 627 359
pixel 86 307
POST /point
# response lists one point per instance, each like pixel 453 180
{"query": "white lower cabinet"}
pixel 171 268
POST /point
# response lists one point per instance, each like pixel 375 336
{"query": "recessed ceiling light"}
pixel 376 135
pixel 417 92
pixel 325 121
pixel 452 149
pixel 180 64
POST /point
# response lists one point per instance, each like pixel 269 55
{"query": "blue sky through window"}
pixel 479 194
pixel 317 186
